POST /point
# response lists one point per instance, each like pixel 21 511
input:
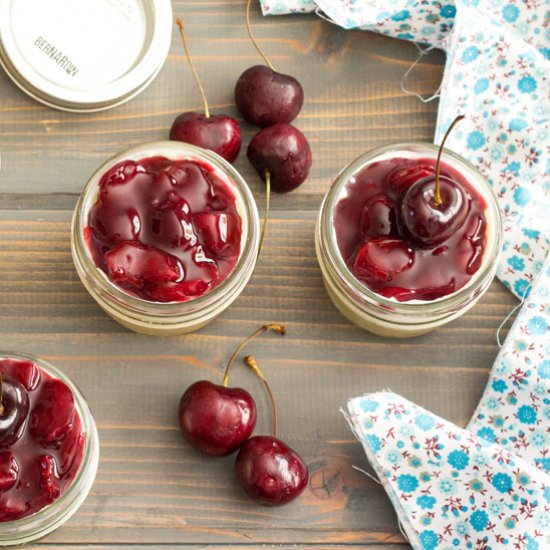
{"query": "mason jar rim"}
pixel 40 523
pixel 187 151
pixel 337 264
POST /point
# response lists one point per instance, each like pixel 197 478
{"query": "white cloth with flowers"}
pixel 498 75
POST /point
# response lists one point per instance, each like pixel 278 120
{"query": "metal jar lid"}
pixel 84 55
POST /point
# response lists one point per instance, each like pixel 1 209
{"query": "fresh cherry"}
pixel 427 221
pixel 215 419
pixel 283 152
pixel 269 471
pixel 14 409
pixel 379 259
pixel 265 97
pixel 434 207
pixel 219 133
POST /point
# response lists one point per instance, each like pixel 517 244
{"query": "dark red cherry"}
pixel 379 259
pixel 426 223
pixel 378 216
pixel 219 133
pixel 9 471
pixel 270 472
pixel 215 419
pixel 400 179
pixel 266 97
pixel 53 416
pixel 284 152
pixel 14 410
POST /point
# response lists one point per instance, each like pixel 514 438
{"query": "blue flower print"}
pixel 407 483
pixel 447 486
pixel 475 140
pixel 368 405
pixel 527 84
pixel 479 520
pixel 458 459
pixel 448 11
pixel 499 386
pixel 517 125
pixel 374 443
pixel 521 287
pixel 530 233
pixel 429 540
pixel 527 414
pixel 510 13
pixel 544 369
pixel 481 85
pixel 502 482
pixel 515 262
pixel 532 544
pixel 426 502
pixel 402 15
pixel 470 54
pixel 425 422
pixel 546 494
pixel 522 196
pixel 487 433
pixel 537 326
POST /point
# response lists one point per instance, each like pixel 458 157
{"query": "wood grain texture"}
pixel 153 491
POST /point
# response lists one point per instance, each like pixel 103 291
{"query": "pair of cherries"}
pixel 267 99
pixel 218 420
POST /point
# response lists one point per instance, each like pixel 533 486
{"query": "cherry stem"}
pixel 1 395
pixel 279 329
pixel 267 176
pixel 437 197
pixel 251 362
pixel 256 45
pixel 192 65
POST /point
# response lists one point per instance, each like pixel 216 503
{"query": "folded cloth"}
pixel 498 74
pixel 450 488
pixel 515 408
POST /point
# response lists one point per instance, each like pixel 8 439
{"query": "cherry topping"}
pixel 265 97
pixel 52 418
pixel 378 216
pixel 284 152
pixel 269 471
pixel 380 259
pixel 49 477
pixel 14 409
pixel 427 223
pixel 400 179
pixel 9 471
pixel 216 419
pixel 219 133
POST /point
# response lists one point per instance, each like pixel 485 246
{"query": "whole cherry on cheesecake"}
pixel 219 133
pixel 282 152
pixel 269 471
pixel 14 409
pixel 216 419
pixel 434 207
pixel 264 96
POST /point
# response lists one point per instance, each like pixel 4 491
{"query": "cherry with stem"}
pixel 219 133
pixel 269 471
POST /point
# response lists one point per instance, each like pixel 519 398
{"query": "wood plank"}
pixel 151 487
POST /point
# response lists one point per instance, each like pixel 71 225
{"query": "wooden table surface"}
pixel 152 490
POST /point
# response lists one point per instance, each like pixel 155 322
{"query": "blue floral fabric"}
pixel 498 74
pixel 451 488
pixel 515 409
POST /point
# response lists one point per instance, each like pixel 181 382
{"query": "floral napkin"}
pixel 498 74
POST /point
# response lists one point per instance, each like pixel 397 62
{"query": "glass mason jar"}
pixel 39 524
pixel 167 318
pixel 386 316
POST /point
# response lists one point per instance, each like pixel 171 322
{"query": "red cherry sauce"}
pixel 39 461
pixel 163 230
pixel 369 234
